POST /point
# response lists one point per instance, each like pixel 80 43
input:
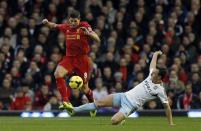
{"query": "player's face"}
pixel 74 22
pixel 155 75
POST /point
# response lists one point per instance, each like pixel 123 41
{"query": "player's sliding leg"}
pixel 118 118
pixel 61 85
pixel 105 102
pixel 86 107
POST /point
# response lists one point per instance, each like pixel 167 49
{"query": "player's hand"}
pixel 45 21
pixel 158 52
pixel 86 31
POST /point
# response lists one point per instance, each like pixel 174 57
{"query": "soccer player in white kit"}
pixel 130 101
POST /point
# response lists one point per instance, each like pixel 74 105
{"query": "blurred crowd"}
pixel 130 30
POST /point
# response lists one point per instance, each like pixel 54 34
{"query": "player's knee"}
pixel 85 88
pixel 114 121
pixel 99 103
pixel 58 74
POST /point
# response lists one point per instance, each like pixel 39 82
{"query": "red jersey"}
pixel 77 43
pixel 20 103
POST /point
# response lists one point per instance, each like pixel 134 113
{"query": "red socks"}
pixel 61 86
pixel 89 96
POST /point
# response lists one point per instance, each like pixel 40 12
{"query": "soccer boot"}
pixel 68 107
pixel 93 113
pixel 63 105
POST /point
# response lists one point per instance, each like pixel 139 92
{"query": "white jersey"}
pixel 146 91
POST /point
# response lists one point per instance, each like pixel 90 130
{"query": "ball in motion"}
pixel 76 82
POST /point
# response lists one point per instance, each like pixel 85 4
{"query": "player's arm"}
pixel 168 113
pixel 91 34
pixel 49 24
pixel 164 99
pixel 154 59
pixel 94 36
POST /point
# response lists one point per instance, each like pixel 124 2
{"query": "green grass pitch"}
pixel 97 124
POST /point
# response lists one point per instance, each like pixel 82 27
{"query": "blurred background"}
pixel 130 30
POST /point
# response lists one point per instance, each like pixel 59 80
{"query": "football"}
pixel 76 82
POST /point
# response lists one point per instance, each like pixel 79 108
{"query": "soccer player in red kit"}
pixel 76 60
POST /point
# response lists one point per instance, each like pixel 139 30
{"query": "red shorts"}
pixel 80 65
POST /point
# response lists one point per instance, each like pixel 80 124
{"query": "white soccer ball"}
pixel 76 82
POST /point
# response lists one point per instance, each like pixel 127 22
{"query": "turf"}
pixel 97 124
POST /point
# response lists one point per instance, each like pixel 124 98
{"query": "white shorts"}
pixel 120 100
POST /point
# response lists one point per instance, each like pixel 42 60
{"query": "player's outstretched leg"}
pixel 105 102
pixel 61 86
pixel 86 107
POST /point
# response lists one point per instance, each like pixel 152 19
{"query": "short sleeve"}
pixel 86 25
pixel 163 96
pixel 61 27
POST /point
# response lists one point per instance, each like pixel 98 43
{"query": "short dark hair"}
pixel 162 72
pixel 74 14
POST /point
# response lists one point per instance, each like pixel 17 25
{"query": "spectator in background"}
pixel 123 69
pixel 108 80
pixel 100 91
pixel 42 96
pixel 95 70
pixel 22 62
pixel 50 66
pixel 109 62
pixel 61 42
pixel 26 46
pixel 21 102
pixel 23 33
pixel 8 51
pixel 190 48
pixel 48 81
pixel 30 81
pixel 118 87
pixel 6 93
pixel 196 83
pixel 52 104
pixel 111 12
pixel 194 68
pixel 9 33
pixel 16 81
pixel 34 71
pixel 77 98
pixel 175 84
pixel 39 59
pixel 187 100
pixel 27 91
